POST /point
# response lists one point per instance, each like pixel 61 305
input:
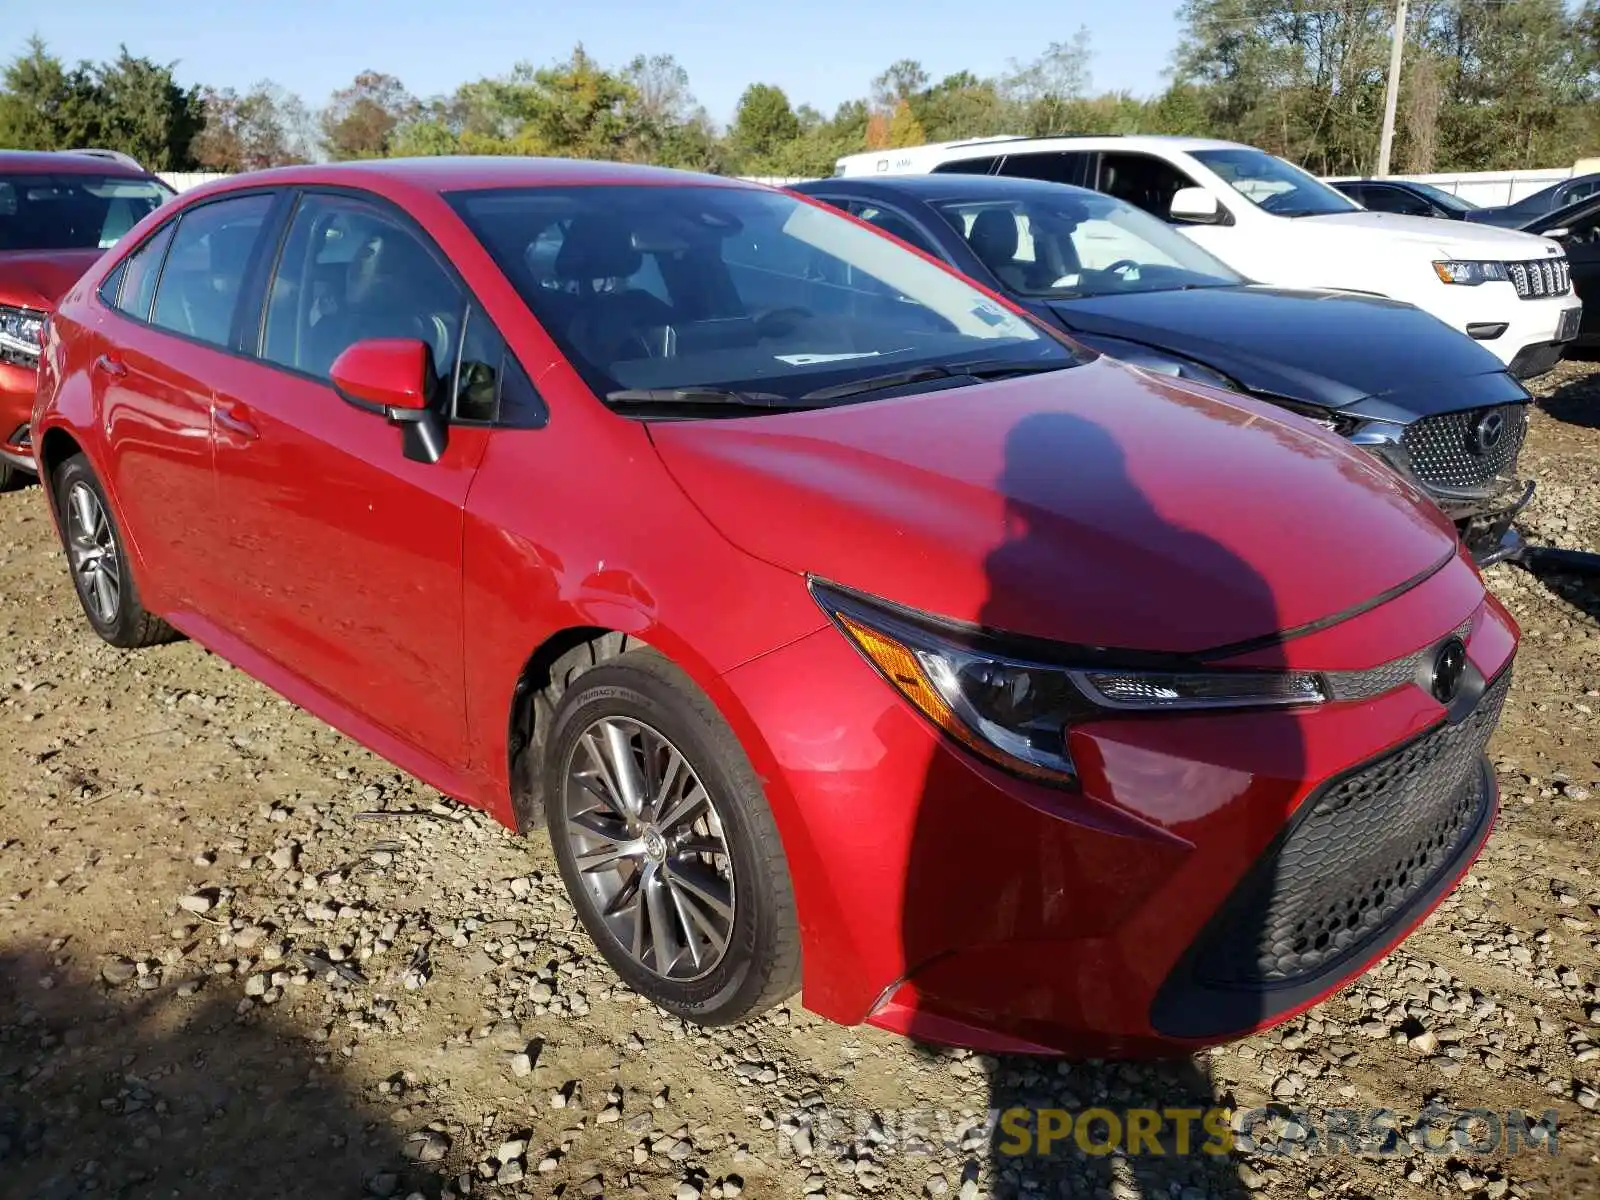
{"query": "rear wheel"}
pixel 98 563
pixel 666 844
pixel 11 477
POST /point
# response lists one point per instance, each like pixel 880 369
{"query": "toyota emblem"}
pixel 1490 429
pixel 1448 667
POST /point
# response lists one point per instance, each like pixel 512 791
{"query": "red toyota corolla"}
pixel 845 627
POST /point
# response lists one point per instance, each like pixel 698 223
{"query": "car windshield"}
pixel 1082 244
pixel 1443 198
pixel 737 290
pixel 1273 185
pixel 73 211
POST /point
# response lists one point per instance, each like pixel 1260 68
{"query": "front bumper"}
pixel 1525 334
pixel 950 902
pixel 17 386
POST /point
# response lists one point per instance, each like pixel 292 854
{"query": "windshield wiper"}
pixel 701 396
pixel 989 369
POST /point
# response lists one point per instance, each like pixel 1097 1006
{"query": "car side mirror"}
pixel 393 378
pixel 1195 206
pixel 1558 235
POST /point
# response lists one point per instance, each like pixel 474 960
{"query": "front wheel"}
pixel 98 561
pixel 666 843
pixel 10 476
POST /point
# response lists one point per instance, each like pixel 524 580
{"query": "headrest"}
pixel 994 235
pixel 596 249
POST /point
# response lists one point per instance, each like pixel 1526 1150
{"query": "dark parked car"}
pixel 873 635
pixel 1541 203
pixel 1577 228
pixel 1435 405
pixel 1405 196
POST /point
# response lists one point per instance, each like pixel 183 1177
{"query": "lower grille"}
pixel 1361 851
pixel 1540 277
pixel 1466 449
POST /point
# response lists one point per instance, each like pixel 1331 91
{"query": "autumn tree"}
pixel 360 120
pixel 265 127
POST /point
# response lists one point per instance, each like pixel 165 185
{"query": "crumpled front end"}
pixel 1463 452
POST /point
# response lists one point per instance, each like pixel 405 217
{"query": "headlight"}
pixel 21 332
pixel 1470 273
pixel 1015 712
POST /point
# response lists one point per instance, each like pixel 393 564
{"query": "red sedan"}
pixel 843 625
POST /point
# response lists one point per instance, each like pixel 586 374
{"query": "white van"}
pixel 1275 223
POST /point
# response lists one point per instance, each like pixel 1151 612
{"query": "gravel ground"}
pixel 242 957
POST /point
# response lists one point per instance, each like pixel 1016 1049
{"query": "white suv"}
pixel 1275 223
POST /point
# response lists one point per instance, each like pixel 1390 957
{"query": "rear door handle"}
pixel 107 365
pixel 234 420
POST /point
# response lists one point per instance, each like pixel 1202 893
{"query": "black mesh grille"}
pixel 1385 677
pixel 1540 277
pixel 1466 449
pixel 1358 854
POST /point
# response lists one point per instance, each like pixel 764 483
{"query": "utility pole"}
pixel 1391 93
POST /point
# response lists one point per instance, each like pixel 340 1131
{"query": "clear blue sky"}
pixel 819 51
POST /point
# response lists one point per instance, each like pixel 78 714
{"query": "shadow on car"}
pixel 1090 1105
pixel 124 1091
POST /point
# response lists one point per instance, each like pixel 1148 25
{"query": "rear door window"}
pixel 138 275
pixel 1397 200
pixel 206 265
pixel 1052 166
pixel 890 221
pixel 967 166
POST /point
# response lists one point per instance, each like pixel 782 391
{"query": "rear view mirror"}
pixel 393 377
pixel 1195 206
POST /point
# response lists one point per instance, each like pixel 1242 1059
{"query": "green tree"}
pixel 43 106
pixel 764 126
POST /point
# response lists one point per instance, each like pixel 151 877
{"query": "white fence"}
pixel 182 181
pixel 1481 187
pixel 1487 188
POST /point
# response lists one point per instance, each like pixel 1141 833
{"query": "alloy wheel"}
pixel 649 845
pixel 92 547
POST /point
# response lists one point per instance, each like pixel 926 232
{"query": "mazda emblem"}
pixel 1490 429
pixel 1448 667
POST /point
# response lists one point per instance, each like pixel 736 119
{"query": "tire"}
pixel 99 567
pixel 11 477
pixel 638 707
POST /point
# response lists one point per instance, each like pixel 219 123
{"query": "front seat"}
pixel 993 238
pixel 392 289
pixel 610 326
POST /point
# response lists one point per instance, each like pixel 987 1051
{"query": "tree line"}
pixel 1486 85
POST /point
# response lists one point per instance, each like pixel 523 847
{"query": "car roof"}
pixel 66 162
pixel 450 173
pixel 941 186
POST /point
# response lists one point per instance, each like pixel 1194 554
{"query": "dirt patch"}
pixel 241 956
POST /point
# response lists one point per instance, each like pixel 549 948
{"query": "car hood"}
pixel 1327 348
pixel 39 278
pixel 1444 239
pixel 1098 505
pixel 1503 216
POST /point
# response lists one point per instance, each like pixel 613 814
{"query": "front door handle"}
pixel 234 422
pixel 107 365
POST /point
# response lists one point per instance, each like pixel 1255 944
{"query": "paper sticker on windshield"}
pixel 990 315
pixel 806 360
